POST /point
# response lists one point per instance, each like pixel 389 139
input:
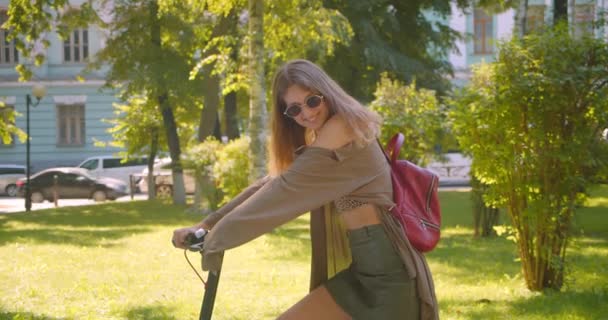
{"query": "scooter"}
pixel 195 241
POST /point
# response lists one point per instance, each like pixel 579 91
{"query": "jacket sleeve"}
pixel 214 217
pixel 315 178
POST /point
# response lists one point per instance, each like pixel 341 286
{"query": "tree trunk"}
pixel 484 217
pixel 231 116
pixel 572 10
pixel 209 123
pixel 179 194
pixel 257 100
pixel 211 102
pixel 177 172
pixel 230 99
pixel 560 11
pixel 151 157
pixel 521 18
pixel 208 126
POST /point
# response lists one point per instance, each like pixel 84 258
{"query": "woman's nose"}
pixel 306 111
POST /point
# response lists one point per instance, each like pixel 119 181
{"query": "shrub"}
pixel 233 167
pixel 414 112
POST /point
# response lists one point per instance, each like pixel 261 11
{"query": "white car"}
pixel 9 174
pixel 113 167
pixel 164 179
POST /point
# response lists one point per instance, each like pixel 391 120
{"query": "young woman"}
pixel 324 155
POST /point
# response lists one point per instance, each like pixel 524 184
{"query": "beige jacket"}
pixel 316 178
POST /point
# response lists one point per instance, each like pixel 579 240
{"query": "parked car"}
pixel 9 174
pixel 114 167
pixel 72 183
pixel 164 179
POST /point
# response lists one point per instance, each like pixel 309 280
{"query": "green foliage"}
pixel 134 127
pixel 201 158
pixel 221 169
pixel 408 39
pixel 233 167
pixel 532 122
pixel 485 218
pixel 7 125
pixel 28 21
pixel 415 112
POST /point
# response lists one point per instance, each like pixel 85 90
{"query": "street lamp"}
pixel 38 91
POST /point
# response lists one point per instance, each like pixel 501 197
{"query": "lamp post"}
pixel 38 91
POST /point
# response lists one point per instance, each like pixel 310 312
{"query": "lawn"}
pixel 115 261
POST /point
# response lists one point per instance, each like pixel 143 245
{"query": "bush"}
pixel 414 112
pixel 532 122
pixel 232 168
pixel 200 158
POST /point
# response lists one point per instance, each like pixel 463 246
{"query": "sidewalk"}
pixel 11 205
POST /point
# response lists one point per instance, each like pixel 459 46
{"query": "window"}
pixel 483 31
pixel 584 15
pixel 7 115
pixel 76 47
pixel 90 165
pixel 118 163
pixel 70 125
pixel 535 18
pixel 12 170
pixel 8 50
pixel 45 178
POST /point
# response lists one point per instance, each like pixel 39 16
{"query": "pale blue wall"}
pixel 60 80
pixel 44 151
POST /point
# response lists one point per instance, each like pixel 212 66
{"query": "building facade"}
pixel 69 118
pixel 484 31
pixel 68 121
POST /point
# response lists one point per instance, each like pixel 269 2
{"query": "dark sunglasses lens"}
pixel 293 111
pixel 313 101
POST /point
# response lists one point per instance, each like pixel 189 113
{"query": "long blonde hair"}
pixel 287 135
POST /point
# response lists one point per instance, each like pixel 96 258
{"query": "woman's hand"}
pixel 179 235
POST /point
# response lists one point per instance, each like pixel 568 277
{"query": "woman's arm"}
pixel 316 177
pixel 179 235
pixel 215 216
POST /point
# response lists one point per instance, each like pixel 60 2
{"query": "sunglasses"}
pixel 311 101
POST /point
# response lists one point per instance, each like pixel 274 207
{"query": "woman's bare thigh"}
pixel 318 304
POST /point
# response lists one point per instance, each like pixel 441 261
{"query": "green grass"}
pixel 115 261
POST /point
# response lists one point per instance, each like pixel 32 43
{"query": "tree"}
pixel 258 114
pixel 138 132
pixel 485 217
pixel 154 47
pixel 150 49
pixel 532 122
pixel 413 111
pixel 408 39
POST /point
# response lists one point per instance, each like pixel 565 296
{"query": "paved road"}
pixel 10 205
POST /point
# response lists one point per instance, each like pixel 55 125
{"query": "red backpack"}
pixel 416 199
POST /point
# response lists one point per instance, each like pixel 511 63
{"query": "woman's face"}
pixel 311 118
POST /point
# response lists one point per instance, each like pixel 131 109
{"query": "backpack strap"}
pixel 393 147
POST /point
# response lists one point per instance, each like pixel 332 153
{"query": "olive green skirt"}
pixel 376 285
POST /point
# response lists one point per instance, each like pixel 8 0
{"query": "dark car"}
pixel 72 183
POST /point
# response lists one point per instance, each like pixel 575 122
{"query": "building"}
pixel 68 120
pixel 484 31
